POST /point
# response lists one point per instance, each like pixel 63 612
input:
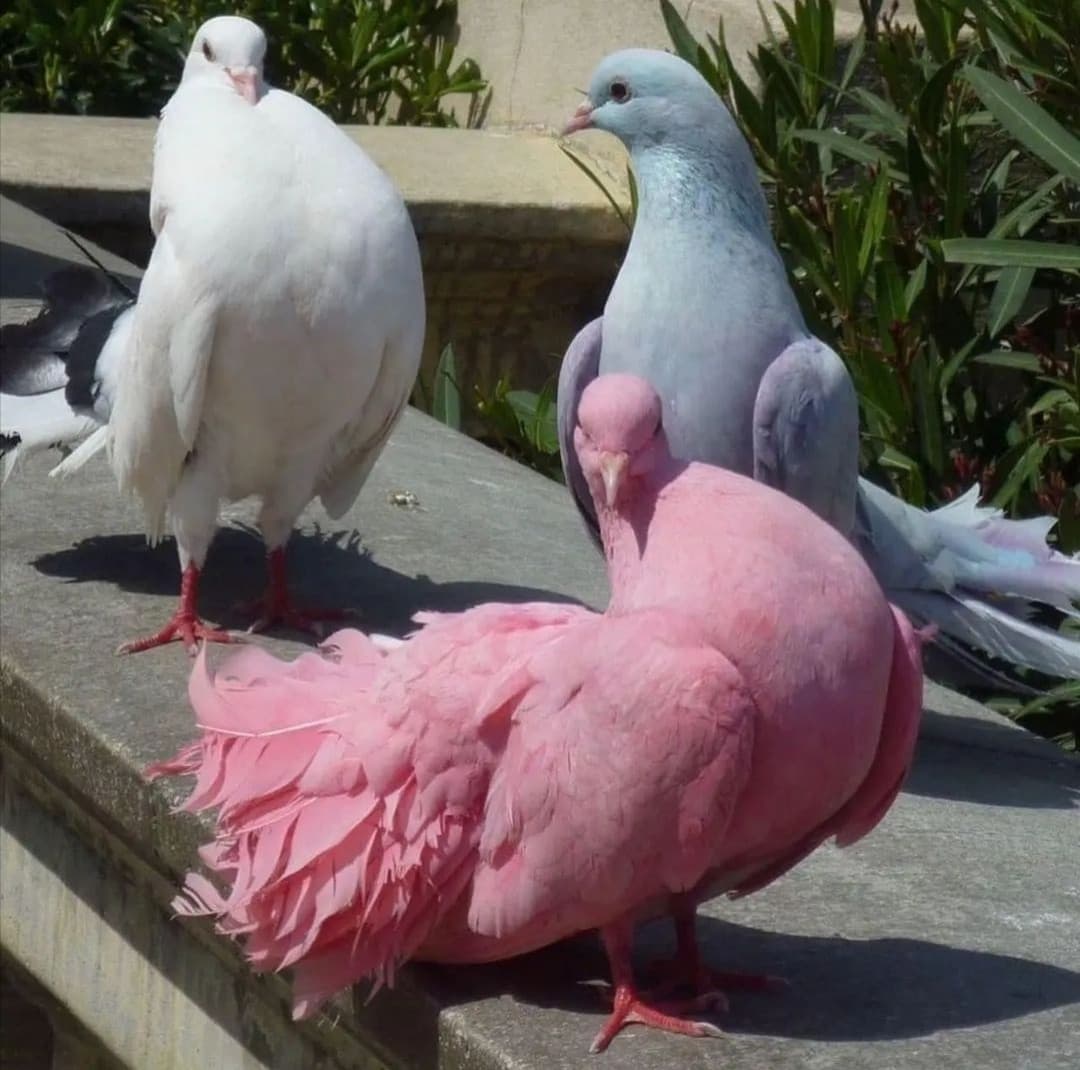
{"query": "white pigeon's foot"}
pixel 276 608
pixel 184 626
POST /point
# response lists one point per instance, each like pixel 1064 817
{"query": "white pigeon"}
pixel 276 334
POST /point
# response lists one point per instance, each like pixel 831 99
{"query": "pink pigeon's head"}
pixel 619 437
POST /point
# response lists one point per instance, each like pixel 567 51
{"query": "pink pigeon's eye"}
pixel 619 92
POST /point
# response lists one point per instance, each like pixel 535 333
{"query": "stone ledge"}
pixel 90 169
pixel 954 915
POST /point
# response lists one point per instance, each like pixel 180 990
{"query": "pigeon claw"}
pixel 184 628
pixel 631 1009
pixel 672 974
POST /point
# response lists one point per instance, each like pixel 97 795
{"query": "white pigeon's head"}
pixel 230 50
pixel 647 97
pixel 619 436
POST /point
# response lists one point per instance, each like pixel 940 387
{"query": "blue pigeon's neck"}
pixel 699 190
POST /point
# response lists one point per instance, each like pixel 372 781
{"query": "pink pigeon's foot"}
pixel 631 1008
pixel 686 969
pixel 276 607
pixel 185 625
pixel 675 973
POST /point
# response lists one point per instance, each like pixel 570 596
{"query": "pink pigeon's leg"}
pixel 687 970
pixel 185 625
pixel 629 1007
pixel 276 607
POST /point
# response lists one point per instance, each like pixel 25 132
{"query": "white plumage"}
pixel 279 325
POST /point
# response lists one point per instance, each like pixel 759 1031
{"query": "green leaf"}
pixel 686 45
pixel 916 282
pixel 1010 358
pixel 446 405
pixel 846 146
pixel 1024 469
pixel 873 222
pixel 1008 297
pixel 1011 252
pixel 1053 399
pixel 933 95
pixel 1030 124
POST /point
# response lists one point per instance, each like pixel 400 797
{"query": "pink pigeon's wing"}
pixel 628 750
pixel 892 760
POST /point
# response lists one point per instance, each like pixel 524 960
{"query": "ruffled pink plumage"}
pixel 515 774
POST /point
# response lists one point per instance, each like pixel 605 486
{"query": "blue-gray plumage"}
pixel 703 309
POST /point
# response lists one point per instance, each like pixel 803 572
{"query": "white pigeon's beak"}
pixel 581 119
pixel 613 468
pixel 245 81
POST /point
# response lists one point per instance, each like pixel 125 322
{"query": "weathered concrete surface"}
pixel 519 247
pixel 947 939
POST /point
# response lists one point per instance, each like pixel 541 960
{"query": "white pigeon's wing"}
pixel 806 431
pixel 355 450
pixel 159 403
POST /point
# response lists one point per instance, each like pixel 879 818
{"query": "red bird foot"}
pixel 182 627
pixel 276 607
pixel 185 625
pixel 668 975
pixel 631 1009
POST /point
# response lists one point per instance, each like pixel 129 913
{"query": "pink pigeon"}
pixel 515 774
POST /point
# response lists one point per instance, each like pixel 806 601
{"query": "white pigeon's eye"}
pixel 619 92
pixel 207 51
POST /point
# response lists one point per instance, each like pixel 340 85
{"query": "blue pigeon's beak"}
pixel 580 120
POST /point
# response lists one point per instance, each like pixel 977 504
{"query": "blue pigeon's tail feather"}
pixel 979 577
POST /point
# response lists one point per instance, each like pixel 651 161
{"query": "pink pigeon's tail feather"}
pixel 892 760
pixel 349 790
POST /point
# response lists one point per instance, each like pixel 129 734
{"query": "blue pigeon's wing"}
pixel 579 368
pixel 806 431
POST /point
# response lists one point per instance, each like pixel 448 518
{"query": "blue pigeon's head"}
pixel 645 97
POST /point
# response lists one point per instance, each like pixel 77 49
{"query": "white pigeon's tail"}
pixel 59 372
pixel 979 577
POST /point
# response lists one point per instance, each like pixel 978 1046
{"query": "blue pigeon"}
pixel 702 308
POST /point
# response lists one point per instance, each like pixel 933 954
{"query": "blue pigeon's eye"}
pixel 619 92
pixel 207 51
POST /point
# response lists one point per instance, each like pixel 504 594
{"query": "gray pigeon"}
pixel 703 309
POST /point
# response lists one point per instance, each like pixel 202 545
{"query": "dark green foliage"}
pixel 360 61
pixel 519 423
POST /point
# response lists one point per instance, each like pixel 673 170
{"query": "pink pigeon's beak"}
pixel 245 81
pixel 613 468
pixel 580 120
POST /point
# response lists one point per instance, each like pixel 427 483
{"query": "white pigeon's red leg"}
pixel 630 1007
pixel 687 970
pixel 185 625
pixel 276 607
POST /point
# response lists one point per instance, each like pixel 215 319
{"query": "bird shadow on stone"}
pixel 326 568
pixel 965 771
pixel 841 990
